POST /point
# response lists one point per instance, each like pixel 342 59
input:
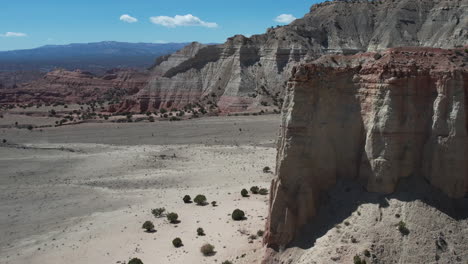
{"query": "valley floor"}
pixel 80 194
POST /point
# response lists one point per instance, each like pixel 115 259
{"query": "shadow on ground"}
pixel 346 197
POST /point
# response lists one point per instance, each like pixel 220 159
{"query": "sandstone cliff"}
pixel 75 87
pixel 249 74
pixel 373 118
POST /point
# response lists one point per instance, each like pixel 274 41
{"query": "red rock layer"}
pixel 75 86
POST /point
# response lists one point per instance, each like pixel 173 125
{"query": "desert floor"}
pixel 80 194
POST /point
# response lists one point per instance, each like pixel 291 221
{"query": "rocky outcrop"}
pixel 249 74
pixel 76 87
pixel 374 118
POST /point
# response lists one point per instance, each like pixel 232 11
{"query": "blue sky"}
pixel 32 23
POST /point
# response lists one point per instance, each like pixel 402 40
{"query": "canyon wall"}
pixel 249 74
pixel 374 118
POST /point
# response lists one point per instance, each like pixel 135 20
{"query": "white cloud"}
pixel 13 34
pixel 179 21
pixel 285 18
pixel 128 19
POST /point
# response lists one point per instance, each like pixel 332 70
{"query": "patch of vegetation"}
pixel 266 169
pixel 187 199
pixel 358 260
pixel 244 193
pixel 158 212
pixel 177 242
pixel 254 189
pixel 253 237
pixel 135 261
pixel 30 127
pixel 200 200
pixel 367 253
pixel 149 226
pixel 226 262
pixel 200 231
pixel 403 229
pixel 172 218
pixel 207 250
pixel 263 191
pixel 4 141
pixel 260 233
pixel 238 215
pixel 214 204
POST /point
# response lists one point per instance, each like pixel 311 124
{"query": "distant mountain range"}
pixel 95 57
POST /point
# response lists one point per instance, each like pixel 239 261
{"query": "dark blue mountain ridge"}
pixel 95 57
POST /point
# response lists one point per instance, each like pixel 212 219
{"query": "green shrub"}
pixel 172 217
pixel 227 262
pixel 263 191
pixel 177 242
pixel 30 127
pixel 403 229
pixel 187 199
pixel 213 203
pixel 200 231
pixel 200 199
pixel 148 225
pixel 358 260
pixel 254 189
pixel 207 250
pixel 238 215
pixel 151 119
pixel 244 193
pixel 135 261
pixel 260 233
pixel 158 212
pixel 266 169
pixel 4 141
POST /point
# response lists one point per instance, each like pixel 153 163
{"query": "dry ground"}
pixel 79 194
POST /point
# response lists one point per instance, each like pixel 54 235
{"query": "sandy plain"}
pixel 80 194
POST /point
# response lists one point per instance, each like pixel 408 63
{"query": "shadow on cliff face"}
pixel 346 198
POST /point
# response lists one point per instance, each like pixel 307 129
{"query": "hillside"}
pixel 249 74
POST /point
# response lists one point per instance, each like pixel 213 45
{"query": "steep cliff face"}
pixel 374 118
pixel 249 74
pixel 76 86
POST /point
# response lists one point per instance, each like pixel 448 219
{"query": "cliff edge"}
pixel 374 119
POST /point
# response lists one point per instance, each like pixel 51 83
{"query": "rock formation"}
pixel 75 87
pixel 374 118
pixel 249 74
